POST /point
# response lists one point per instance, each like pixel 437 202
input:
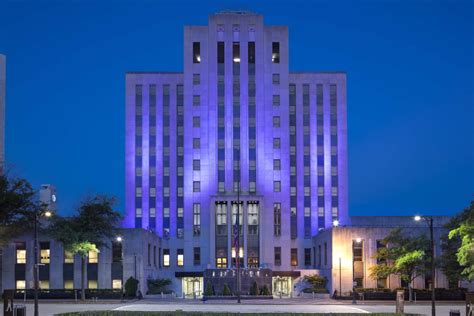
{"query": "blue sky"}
pixel 410 89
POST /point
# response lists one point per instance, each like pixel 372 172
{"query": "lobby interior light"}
pixel 335 223
pixel 119 238
pixel 358 240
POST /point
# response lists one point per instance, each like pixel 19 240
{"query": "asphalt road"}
pixel 266 306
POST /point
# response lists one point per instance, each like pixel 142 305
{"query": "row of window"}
pixel 68 284
pixel 196 55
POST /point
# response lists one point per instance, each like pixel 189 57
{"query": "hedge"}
pixel 179 313
pixel 61 294
pixel 441 294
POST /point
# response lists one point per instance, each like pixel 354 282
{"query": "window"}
pixel 92 284
pixel 276 186
pixel 277 256
pixel 138 212
pixel 196 164
pixel 154 256
pixel 277 219
pixel 117 284
pixel 93 256
pixel 20 284
pixel 221 214
pixel 68 284
pixel 180 257
pixel 196 143
pixel 138 192
pixel 325 254
pixel 276 52
pixel 152 192
pixel 196 186
pixel 251 52
pixel 196 100
pixel 236 52
pixel 221 262
pixel 220 52
pixel 276 143
pixel 294 257
pixel 152 212
pixel 196 219
pixel 307 256
pixel 116 251
pixel 196 52
pixel 68 257
pixel 44 284
pixel 276 121
pixel 21 252
pixel 196 121
pixel 276 78
pixel 196 79
pixel 197 256
pixel 276 100
pixel 276 164
pixel 166 257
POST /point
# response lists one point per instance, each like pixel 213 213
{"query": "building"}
pixel 2 109
pixel 136 254
pixel 47 196
pixel 236 127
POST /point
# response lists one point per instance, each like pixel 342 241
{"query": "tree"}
pixel 88 230
pixel 316 282
pixel 209 291
pixel 157 286
pixel 404 255
pixel 226 291
pixel 18 205
pixel 465 235
pixel 451 243
pixel 131 287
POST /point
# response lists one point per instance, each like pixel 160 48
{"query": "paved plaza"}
pixel 251 306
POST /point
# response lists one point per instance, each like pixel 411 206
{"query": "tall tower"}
pixel 2 110
pixel 236 117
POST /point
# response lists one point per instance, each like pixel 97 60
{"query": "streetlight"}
pixel 335 223
pixel 119 239
pixel 429 221
pixel 37 214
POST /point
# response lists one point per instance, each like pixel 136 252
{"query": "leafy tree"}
pixel 156 286
pixel 226 291
pixel 131 287
pixel 265 290
pixel 404 255
pixel 88 230
pixel 316 282
pixel 18 204
pixel 464 234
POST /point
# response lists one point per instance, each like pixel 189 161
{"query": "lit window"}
pixel 44 284
pixel 180 257
pixel 68 284
pixel 20 255
pixel 117 284
pixel 294 257
pixel 93 257
pixel 180 212
pixel 221 262
pixel 68 257
pixel 20 284
pixel 44 256
pixel 166 257
pixel 92 284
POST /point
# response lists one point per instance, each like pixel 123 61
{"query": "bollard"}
pixel 400 304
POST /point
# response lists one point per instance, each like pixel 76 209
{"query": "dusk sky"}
pixel 410 89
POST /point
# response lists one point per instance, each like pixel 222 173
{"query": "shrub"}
pixel 226 291
pixel 131 287
pixel 319 291
pixel 265 290
pixel 157 286
pixel 209 291
pixel 254 289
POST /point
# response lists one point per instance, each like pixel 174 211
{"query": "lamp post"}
pixel 37 214
pixel 119 239
pixel 340 276
pixel 429 221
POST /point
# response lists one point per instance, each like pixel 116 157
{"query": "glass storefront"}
pixel 193 287
pixel 282 286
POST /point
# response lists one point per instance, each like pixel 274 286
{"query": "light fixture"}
pixel 198 57
pixel 417 218
pixel 358 240
pixel 119 239
pixel 236 60
pixel 335 223
pixel 48 214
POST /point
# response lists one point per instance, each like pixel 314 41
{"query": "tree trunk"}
pixel 83 274
pixel 410 292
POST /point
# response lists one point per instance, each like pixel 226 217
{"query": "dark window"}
pixel 236 52
pixel 220 52
pixel 325 254
pixel 276 52
pixel 251 51
pixel 307 256
pixel 154 256
pixel 116 251
pixel 149 254
pixel 196 52
pixel 277 251
pixel 294 257
pixel 197 256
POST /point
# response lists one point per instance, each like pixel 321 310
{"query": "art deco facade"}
pixel 236 127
